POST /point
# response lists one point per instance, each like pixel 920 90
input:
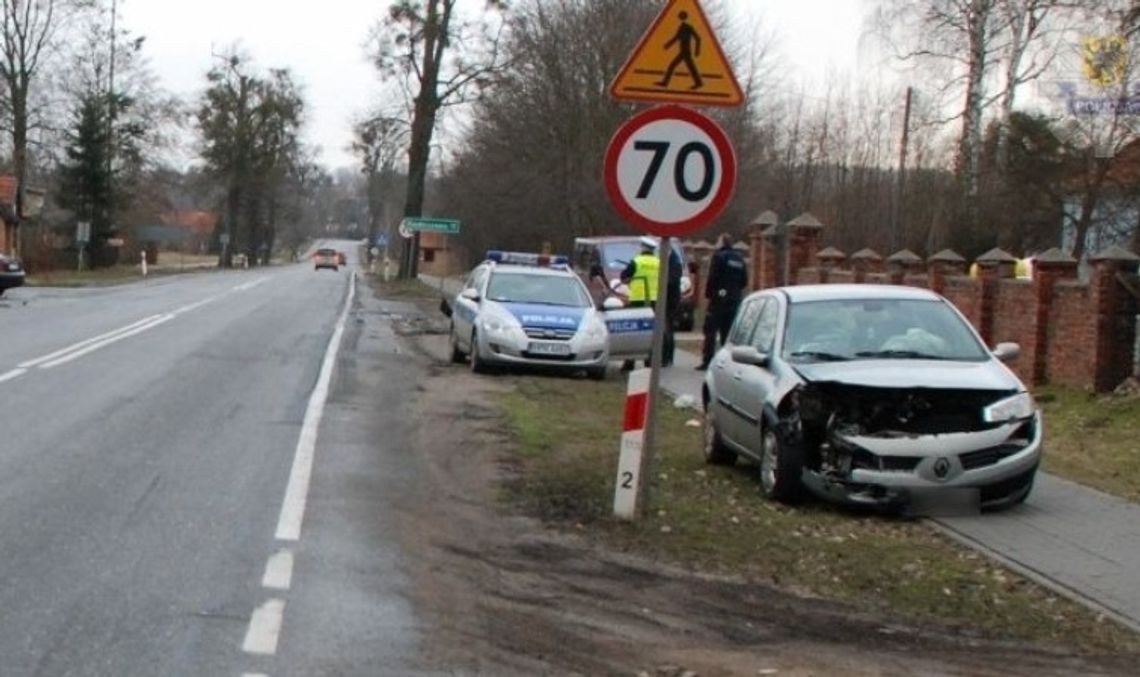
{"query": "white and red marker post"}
pixel 626 494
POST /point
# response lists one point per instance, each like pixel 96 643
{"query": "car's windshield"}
pixel 853 329
pixel 619 254
pixel 552 290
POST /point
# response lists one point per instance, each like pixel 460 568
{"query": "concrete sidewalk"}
pixel 1077 541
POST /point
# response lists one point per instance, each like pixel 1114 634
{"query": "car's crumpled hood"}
pixel 988 375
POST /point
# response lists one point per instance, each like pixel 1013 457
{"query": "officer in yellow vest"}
pixel 642 276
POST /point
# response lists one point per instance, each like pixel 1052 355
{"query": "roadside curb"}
pixel 1033 575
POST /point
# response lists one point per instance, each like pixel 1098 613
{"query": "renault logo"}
pixel 942 468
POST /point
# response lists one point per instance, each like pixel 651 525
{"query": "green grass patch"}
pixel 714 520
pixel 404 289
pixel 1093 439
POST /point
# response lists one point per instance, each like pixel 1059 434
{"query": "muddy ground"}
pixel 503 594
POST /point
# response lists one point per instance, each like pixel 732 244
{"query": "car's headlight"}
pixel 1010 409
pixel 498 325
pixel 596 329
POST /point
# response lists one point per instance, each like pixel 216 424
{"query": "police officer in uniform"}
pixel 641 276
pixel 728 278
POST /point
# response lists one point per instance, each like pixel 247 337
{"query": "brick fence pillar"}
pixel 994 266
pixel 902 263
pixel 865 261
pixel 764 255
pixel 803 244
pixel 1048 267
pixel 829 259
pixel 1115 318
pixel 944 263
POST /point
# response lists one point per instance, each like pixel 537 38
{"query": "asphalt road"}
pixel 161 512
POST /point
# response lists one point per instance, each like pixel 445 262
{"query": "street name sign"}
pixel 679 60
pixel 670 171
pixel 423 224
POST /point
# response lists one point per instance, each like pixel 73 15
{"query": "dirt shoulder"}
pixel 503 594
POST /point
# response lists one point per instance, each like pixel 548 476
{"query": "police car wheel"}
pixel 478 366
pixel 457 356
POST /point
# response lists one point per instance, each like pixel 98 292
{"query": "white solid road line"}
pixel 279 571
pixel 264 628
pixel 76 354
pixel 15 373
pixel 297 493
pixel 83 344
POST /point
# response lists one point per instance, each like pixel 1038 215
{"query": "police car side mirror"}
pixel 612 303
pixel 471 294
pixel 445 308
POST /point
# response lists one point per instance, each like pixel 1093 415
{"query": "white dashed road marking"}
pixel 279 571
pixel 84 344
pixel 264 628
pixel 92 347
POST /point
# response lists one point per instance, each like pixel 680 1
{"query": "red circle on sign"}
pixel 724 190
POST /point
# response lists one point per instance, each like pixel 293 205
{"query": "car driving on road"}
pixel 533 310
pixel 11 273
pixel 874 395
pixel 326 258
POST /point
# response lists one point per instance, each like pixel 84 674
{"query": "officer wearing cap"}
pixel 728 278
pixel 641 275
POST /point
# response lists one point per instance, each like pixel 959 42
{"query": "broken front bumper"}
pixel 887 470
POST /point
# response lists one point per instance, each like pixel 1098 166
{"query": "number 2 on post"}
pixel 660 150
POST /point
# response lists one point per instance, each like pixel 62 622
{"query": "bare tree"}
pixel 379 141
pixel 28 30
pixel 441 60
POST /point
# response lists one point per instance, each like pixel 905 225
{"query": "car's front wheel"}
pixel 457 356
pixel 780 468
pixel 716 452
pixel 478 366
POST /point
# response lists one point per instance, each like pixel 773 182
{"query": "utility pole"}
pixel 896 227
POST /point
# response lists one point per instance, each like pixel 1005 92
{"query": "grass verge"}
pixel 1093 439
pixel 712 519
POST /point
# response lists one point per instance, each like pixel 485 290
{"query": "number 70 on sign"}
pixel 670 171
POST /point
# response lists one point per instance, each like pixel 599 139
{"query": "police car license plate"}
pixel 543 348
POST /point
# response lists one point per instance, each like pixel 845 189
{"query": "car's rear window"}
pixel 326 252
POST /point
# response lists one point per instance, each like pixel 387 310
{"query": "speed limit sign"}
pixel 670 171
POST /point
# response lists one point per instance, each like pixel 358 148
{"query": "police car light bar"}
pixel 527 259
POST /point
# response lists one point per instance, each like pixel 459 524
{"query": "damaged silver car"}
pixel 871 395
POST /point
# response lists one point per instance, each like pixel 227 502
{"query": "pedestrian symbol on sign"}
pixel 684 39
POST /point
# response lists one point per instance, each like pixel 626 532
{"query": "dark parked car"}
pixel 873 395
pixel 610 255
pixel 11 273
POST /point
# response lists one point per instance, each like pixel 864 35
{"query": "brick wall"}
pixel 1071 333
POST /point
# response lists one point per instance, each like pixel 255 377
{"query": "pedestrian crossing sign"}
pixel 679 60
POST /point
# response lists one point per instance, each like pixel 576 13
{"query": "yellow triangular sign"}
pixel 679 60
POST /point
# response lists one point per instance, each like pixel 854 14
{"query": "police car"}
pixel 533 310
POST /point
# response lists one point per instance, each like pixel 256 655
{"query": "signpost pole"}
pixel 661 317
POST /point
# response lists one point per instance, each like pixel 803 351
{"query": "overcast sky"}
pixel 323 43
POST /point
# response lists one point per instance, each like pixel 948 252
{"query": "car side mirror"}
pixel 612 303
pixel 471 294
pixel 749 355
pixel 445 308
pixel 1007 352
